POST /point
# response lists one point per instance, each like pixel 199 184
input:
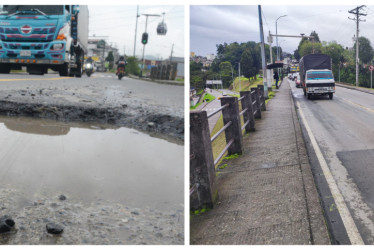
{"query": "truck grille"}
pixel 36 34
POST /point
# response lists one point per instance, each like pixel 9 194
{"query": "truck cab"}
pixel 41 37
pixel 319 82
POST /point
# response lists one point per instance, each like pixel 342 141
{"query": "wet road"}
pixel 343 129
pixel 129 102
pixel 102 88
pixel 121 186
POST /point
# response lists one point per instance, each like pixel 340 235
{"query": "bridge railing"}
pixel 203 187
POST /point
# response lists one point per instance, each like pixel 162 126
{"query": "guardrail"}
pixel 203 188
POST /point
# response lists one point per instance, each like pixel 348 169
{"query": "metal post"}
pixel 263 51
pixel 247 103
pixel 262 98
pixel 357 44
pixel 371 79
pixel 231 113
pixel 202 171
pixel 256 97
pixel 136 27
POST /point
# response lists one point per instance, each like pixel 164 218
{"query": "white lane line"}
pixel 349 224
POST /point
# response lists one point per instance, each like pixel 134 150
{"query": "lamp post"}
pixel 276 33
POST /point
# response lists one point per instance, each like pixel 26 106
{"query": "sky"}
pixel 118 23
pixel 211 25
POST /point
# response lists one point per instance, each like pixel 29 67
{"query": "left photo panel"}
pixel 92 124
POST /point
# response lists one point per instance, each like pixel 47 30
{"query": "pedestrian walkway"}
pixel 267 195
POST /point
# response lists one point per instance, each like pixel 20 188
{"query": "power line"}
pixel 357 13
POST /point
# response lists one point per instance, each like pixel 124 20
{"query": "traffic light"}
pixel 145 38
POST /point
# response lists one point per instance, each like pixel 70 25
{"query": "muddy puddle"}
pixel 103 185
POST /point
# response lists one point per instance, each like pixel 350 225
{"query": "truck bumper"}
pixel 25 53
pixel 320 90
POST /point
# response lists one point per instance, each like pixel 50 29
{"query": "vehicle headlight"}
pixel 57 46
pixel 63 33
pixel 88 65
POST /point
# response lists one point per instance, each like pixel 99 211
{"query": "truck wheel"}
pixel 331 95
pixel 64 70
pixel 4 69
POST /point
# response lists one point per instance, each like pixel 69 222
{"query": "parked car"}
pixel 297 82
pixel 295 75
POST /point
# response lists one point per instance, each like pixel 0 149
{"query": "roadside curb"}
pixel 317 219
pixel 333 221
pixel 157 81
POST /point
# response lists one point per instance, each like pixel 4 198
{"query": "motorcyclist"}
pixel 89 60
pixel 121 63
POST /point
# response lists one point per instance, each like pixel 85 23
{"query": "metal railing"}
pixel 203 190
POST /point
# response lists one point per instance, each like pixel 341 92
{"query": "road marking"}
pixel 349 224
pixel 37 79
pixel 358 105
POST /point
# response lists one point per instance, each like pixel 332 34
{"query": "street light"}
pixel 280 46
pixel 276 33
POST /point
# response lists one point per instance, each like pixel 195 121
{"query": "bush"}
pixel 132 66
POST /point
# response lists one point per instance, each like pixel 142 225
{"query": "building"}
pixel 99 50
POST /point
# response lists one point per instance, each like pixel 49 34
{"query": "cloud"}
pixel 211 25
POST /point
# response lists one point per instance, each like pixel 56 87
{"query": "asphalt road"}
pixel 136 100
pixel 100 88
pixel 343 129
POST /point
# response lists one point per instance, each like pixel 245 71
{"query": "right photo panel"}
pixel 281 125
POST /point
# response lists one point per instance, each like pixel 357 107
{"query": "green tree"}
pixel 365 50
pixel 194 66
pixel 110 59
pixel 246 64
pixel 315 37
pixel 310 48
pixel 335 51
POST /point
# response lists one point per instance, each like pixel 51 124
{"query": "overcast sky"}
pixel 211 25
pixel 118 22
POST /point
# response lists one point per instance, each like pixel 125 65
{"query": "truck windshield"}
pixel 319 75
pixel 46 9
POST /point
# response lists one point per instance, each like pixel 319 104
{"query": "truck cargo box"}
pixel 314 61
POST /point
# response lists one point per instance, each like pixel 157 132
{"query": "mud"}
pixel 101 183
pixel 97 223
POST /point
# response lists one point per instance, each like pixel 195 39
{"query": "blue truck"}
pixel 42 37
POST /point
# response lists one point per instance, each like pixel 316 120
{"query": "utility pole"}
pixel 136 27
pixel 171 55
pixel 262 53
pixel 143 59
pixel 270 40
pixel 356 12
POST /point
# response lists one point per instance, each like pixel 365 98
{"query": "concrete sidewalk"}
pixel 267 195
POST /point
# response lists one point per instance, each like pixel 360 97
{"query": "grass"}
pixel 245 84
pixel 207 98
pixel 220 143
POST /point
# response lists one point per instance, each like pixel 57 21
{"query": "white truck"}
pixel 316 75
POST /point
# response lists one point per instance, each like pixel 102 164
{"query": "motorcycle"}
pixel 121 72
pixel 89 69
